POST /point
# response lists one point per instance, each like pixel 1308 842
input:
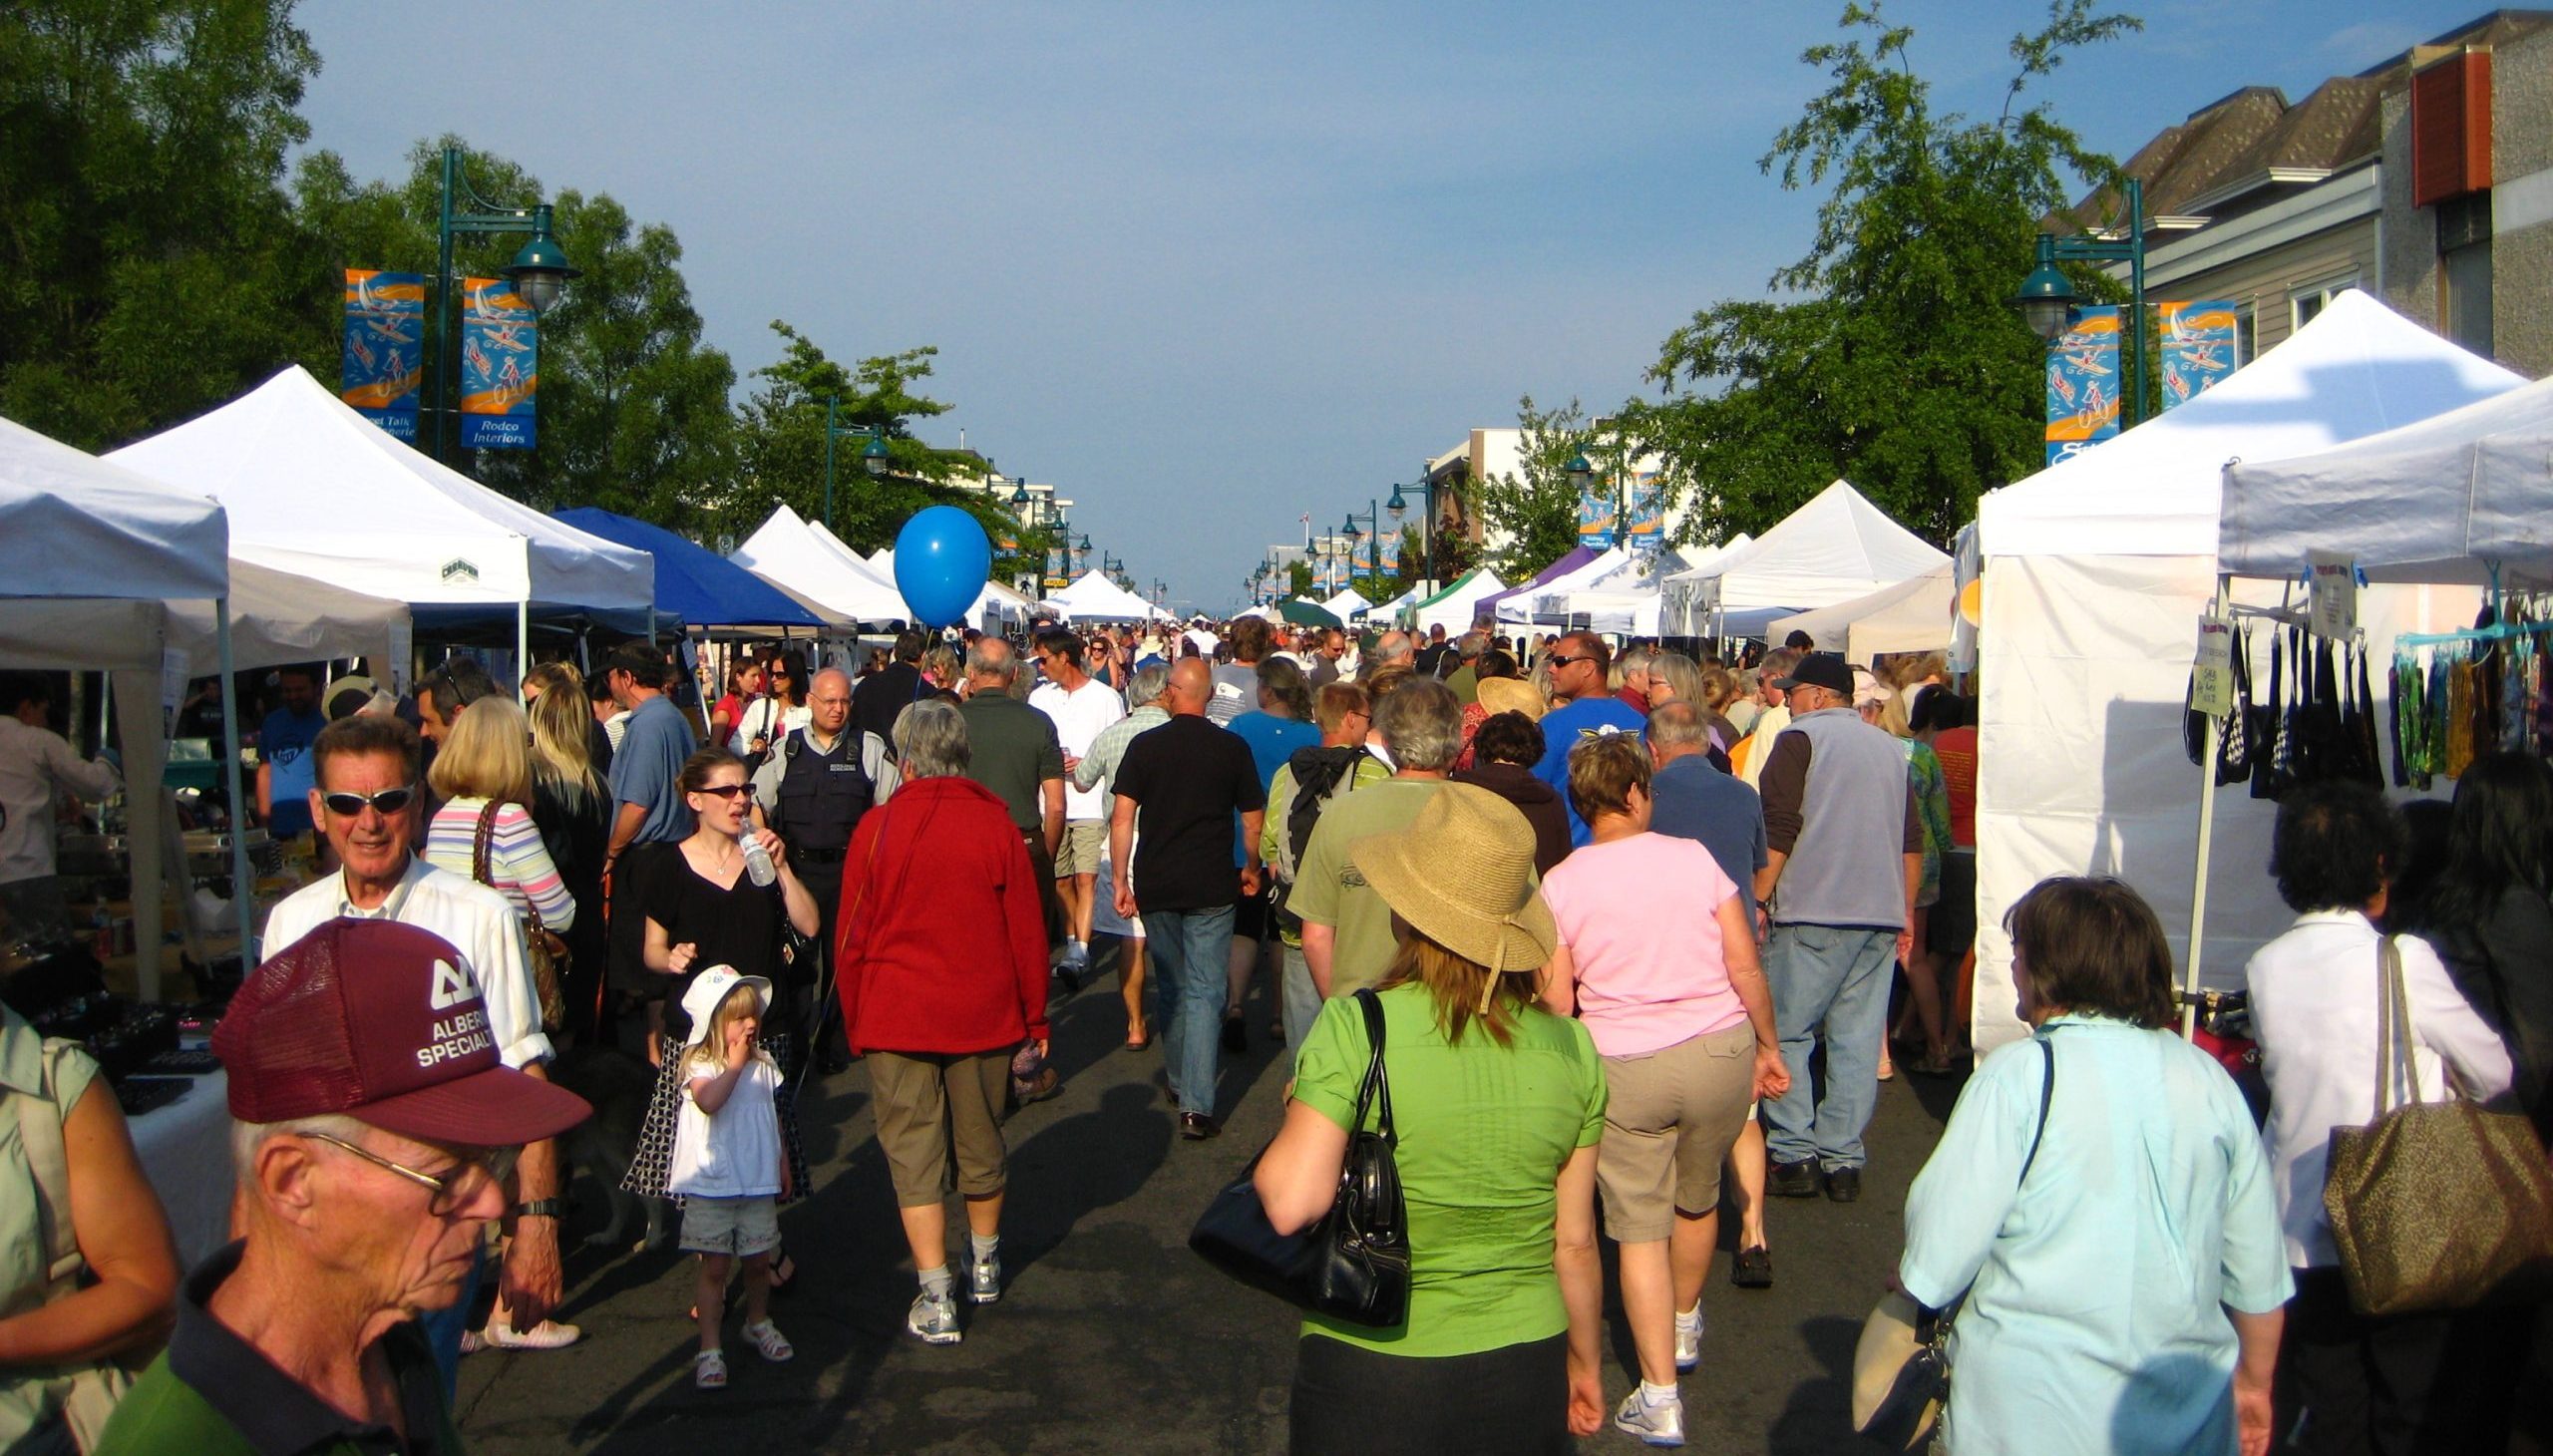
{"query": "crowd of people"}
pixel 1646 932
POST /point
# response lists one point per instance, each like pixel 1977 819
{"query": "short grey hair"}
pixel 930 740
pixel 992 657
pixel 1394 646
pixel 1471 644
pixel 1144 688
pixel 1677 724
pixel 1422 724
pixel 247 1137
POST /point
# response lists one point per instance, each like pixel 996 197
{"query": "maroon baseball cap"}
pixel 382 1022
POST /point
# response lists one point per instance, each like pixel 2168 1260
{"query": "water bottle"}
pixel 758 867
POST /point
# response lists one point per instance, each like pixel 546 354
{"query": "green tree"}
pixel 633 408
pixel 1298 579
pixel 1537 511
pixel 1896 362
pixel 148 266
pixel 781 448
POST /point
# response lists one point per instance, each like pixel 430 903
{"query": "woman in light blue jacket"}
pixel 2101 1200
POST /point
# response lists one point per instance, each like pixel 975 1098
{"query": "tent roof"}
pixel 2446 499
pixel 1463 583
pixel 1837 547
pixel 72 524
pixel 317 490
pixel 1516 607
pixel 1912 617
pixel 1094 597
pixel 790 552
pixel 2357 369
pixel 1574 559
pixel 1348 602
pixel 693 584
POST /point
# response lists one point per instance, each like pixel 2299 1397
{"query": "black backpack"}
pixel 1321 775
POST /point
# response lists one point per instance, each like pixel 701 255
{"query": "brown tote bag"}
pixel 2435 1206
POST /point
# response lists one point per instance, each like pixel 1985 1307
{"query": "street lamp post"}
pixel 873 457
pixel 2047 300
pixel 1581 476
pixel 540 272
pixel 1374 551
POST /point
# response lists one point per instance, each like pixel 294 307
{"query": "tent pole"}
pixel 243 886
pixel 2206 841
pixel 522 643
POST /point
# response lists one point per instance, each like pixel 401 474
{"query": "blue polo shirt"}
pixel 1562 727
pixel 1693 800
pixel 291 773
pixel 646 770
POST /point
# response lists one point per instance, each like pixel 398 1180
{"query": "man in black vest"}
pixel 811 793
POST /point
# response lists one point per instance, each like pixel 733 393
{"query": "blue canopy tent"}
pixel 695 585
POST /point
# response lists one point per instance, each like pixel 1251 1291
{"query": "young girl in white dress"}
pixel 728 1167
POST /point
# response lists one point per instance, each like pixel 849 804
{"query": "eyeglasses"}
pixel 722 790
pixel 450 1188
pixel 388 801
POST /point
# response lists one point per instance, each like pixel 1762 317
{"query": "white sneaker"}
pixel 1660 1424
pixel 934 1318
pixel 1689 1340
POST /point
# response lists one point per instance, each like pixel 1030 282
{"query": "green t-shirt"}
pixel 1280 806
pixel 1011 749
pixel 1483 1130
pixel 1329 892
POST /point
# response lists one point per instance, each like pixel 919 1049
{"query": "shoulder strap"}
pixel 1378 1085
pixel 479 843
pixel 2046 1095
pixel 2394 1066
pixel 40 1133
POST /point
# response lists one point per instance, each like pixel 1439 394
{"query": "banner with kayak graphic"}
pixel 385 348
pixel 500 367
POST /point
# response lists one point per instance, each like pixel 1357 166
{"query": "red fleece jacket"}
pixel 943 944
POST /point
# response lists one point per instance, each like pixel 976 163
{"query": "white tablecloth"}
pixel 185 1151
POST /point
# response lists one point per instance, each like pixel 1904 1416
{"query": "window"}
pixel 2245 343
pixel 2310 302
pixel 2464 271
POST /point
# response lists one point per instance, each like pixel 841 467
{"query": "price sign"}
pixel 2212 670
pixel 2332 595
pixel 403 651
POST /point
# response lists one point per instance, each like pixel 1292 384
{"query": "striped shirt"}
pixel 519 865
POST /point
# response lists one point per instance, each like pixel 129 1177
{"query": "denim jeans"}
pixel 1297 1000
pixel 1191 957
pixel 1829 980
pixel 443 1328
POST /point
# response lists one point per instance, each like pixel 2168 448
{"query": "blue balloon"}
pixel 942 558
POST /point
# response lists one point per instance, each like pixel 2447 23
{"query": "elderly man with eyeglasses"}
pixel 374 1136
pixel 366 805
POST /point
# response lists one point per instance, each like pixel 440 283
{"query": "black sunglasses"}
pixel 1559 661
pixel 388 801
pixel 723 791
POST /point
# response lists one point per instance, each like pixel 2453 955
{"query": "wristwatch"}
pixel 542 1207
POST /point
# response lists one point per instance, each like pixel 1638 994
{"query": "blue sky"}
pixel 1208 266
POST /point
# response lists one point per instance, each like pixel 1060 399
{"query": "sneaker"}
pixel 1689 1340
pixel 548 1334
pixel 1843 1185
pixel 1794 1180
pixel 934 1318
pixel 1662 1424
pixel 983 1280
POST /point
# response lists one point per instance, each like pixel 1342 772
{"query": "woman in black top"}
pixel 572 808
pixel 707 911
pixel 2490 914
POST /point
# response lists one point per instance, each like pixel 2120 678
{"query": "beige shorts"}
pixel 738 1225
pixel 1672 1117
pixel 926 1102
pixel 1080 851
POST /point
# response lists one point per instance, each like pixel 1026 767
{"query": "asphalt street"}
pixel 1112 1336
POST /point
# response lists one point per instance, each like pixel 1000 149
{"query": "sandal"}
pixel 768 1341
pixel 709 1371
pixel 784 1271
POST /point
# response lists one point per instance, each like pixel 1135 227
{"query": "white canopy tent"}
pixel 1455 608
pixel 1544 600
pixel 1095 599
pixel 1390 612
pixel 992 606
pixel 73 526
pixel 1629 602
pixel 1912 617
pixel 316 490
pixel 1834 548
pixel 2096 573
pixel 1349 603
pixel 806 560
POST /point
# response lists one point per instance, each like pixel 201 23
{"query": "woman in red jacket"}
pixel 941 963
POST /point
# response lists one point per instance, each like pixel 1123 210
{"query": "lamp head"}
pixel 2047 297
pixel 1396 505
pixel 1578 471
pixel 540 272
pixel 874 457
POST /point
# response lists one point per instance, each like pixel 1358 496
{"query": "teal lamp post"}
pixel 2047 297
pixel 872 456
pixel 539 274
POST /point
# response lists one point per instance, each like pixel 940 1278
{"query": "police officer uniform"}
pixel 814 802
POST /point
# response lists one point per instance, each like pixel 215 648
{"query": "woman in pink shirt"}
pixel 1657 956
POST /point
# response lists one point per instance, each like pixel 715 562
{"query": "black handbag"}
pixel 1355 1263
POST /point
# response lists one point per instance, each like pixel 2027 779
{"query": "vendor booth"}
pixel 702 589
pixel 1095 599
pixel 1348 604
pixel 1486 609
pixel 1914 615
pixel 2096 573
pixel 1836 547
pixel 314 488
pixel 1456 608
pixel 788 552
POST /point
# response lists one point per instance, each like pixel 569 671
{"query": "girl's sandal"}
pixel 709 1371
pixel 784 1271
pixel 768 1341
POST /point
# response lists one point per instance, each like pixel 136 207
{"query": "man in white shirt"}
pixel 366 805
pixel 1082 707
pixel 36 769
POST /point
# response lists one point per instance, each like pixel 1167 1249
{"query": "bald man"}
pixel 1181 784
pixel 811 792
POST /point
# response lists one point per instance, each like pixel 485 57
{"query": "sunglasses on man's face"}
pixel 1559 661
pixel 388 801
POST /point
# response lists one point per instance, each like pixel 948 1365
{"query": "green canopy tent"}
pixel 1303 613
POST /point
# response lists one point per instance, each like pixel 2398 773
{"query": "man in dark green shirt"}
pixel 1011 749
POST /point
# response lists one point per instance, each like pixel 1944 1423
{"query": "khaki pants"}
pixel 1670 1120
pixel 926 1103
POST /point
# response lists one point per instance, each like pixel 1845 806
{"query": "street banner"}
pixel 385 347
pixel 2082 384
pixel 1596 516
pixel 1055 564
pixel 1392 552
pixel 2197 348
pixel 500 366
pixel 1647 508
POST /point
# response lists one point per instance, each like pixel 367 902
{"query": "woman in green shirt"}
pixel 1499 1107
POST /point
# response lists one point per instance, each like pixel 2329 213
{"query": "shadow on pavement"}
pixel 1818 1417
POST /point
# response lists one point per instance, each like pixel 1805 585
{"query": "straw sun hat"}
pixel 1510 695
pixel 1462 875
